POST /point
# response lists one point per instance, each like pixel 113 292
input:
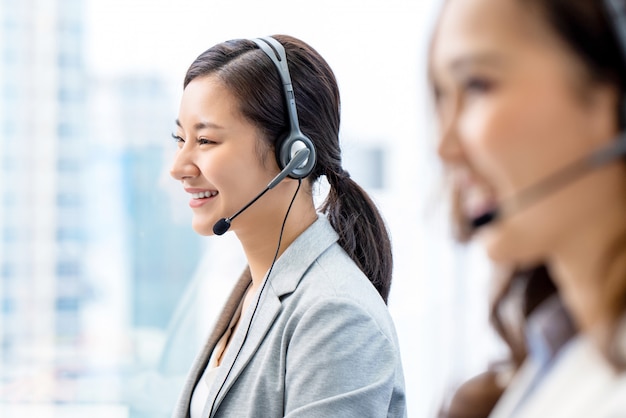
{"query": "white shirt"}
pixel 201 391
pixel 579 383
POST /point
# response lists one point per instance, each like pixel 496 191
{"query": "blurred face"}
pixel 514 106
pixel 217 161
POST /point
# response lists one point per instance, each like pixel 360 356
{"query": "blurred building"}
pixel 164 255
pixel 155 252
pixel 42 190
pixel 92 263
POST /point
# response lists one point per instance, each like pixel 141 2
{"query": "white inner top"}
pixel 201 391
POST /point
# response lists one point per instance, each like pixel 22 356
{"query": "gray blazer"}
pixel 320 344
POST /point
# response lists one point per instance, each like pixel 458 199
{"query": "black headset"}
pixel 616 11
pixel 286 146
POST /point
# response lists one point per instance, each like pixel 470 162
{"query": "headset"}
pixel 295 152
pixel 616 11
pixel 287 146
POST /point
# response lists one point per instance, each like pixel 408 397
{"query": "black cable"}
pixel 267 279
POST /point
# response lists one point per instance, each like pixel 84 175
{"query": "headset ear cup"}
pixel 288 146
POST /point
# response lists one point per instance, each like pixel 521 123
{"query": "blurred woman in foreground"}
pixel 530 101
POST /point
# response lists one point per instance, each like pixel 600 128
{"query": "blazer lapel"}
pixel 253 327
pixel 201 361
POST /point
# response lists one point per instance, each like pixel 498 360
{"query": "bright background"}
pixel 105 291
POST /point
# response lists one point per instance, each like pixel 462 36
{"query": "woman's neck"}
pixel 260 243
pixel 582 263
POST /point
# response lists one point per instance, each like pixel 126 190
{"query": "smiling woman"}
pixel 309 309
pixel 525 91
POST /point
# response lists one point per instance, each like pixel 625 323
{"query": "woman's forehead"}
pixel 483 25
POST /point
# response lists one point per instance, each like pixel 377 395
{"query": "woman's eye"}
pixel 440 97
pixel 205 141
pixel 177 139
pixel 478 85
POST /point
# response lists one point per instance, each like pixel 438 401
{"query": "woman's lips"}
pixel 200 197
pixel 476 201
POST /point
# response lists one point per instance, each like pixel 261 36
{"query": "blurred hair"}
pixel 250 75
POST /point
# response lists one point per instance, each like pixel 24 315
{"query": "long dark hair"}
pixel 586 30
pixel 253 79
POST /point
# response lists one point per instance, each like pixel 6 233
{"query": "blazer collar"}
pixel 298 257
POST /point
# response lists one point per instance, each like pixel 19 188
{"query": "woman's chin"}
pixel 203 228
pixel 506 249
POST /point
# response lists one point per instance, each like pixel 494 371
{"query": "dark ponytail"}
pixel 361 229
pixel 252 77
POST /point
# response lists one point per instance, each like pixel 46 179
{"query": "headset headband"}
pixel 617 13
pixel 276 52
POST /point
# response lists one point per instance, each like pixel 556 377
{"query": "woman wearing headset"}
pixel 530 101
pixel 306 331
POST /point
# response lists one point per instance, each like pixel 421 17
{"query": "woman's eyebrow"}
pixel 202 125
pixel 485 58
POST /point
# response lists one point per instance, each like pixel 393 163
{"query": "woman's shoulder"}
pixel 325 263
pixel 333 279
pixel 580 383
pixel 351 315
pixel 335 273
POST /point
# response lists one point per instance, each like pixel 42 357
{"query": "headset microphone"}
pixel 554 182
pixel 299 159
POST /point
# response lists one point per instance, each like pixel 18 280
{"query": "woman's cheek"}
pixel 485 133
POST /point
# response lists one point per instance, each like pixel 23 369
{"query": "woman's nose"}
pixel 183 166
pixel 449 146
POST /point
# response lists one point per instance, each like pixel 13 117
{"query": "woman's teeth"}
pixel 203 195
pixel 476 202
